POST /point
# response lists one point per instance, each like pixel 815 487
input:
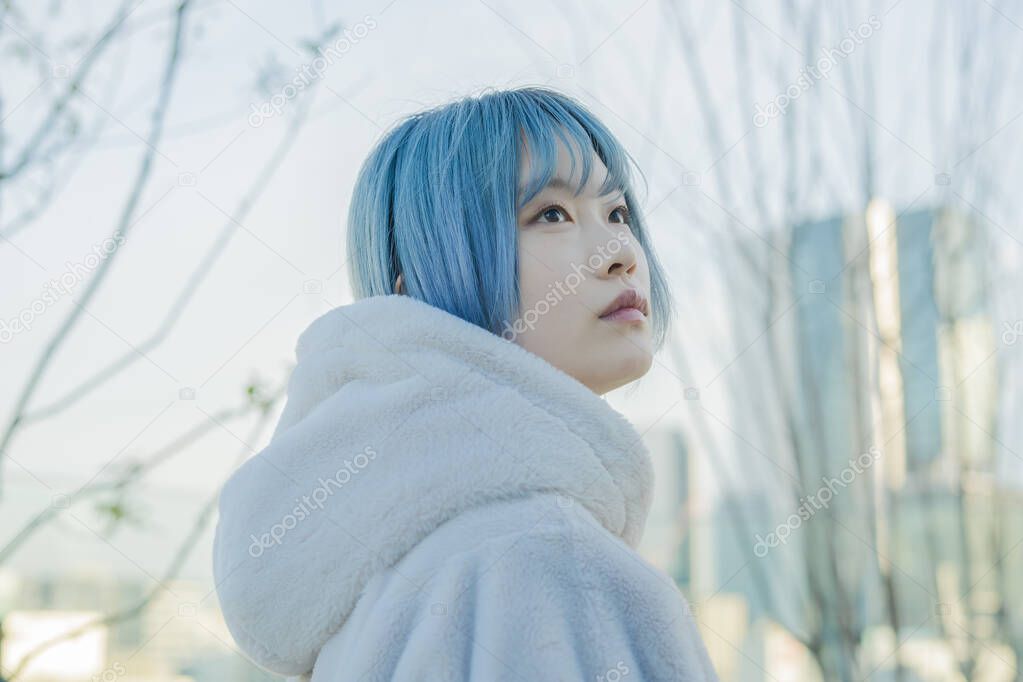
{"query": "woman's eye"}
pixel 623 215
pixel 552 213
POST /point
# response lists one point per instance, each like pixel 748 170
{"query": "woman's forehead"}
pixel 567 169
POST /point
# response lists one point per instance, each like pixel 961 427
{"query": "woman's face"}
pixel 577 256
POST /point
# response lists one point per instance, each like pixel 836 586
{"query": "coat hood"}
pixel 398 417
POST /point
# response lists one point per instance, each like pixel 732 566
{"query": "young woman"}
pixel 447 496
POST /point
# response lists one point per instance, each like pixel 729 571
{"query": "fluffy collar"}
pixel 398 417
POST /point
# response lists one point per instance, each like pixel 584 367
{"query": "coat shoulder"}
pixel 538 528
pixel 538 575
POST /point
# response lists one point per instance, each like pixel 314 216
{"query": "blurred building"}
pixel 908 294
pixel 895 339
pixel 893 346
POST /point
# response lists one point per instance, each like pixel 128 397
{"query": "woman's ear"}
pixel 397 285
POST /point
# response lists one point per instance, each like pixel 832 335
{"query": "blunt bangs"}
pixel 437 201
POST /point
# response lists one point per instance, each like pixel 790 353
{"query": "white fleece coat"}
pixel 437 503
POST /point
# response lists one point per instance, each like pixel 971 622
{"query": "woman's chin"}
pixel 619 366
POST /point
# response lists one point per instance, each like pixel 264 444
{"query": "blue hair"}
pixel 437 201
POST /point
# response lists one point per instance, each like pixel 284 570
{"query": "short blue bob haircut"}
pixel 436 201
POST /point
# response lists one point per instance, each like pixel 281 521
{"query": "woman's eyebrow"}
pixel 554 183
pixel 558 182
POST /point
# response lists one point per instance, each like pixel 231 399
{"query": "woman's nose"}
pixel 619 255
pixel 621 268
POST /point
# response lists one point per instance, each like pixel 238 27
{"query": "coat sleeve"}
pixel 574 604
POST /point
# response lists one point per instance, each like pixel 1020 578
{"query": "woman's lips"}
pixel 628 306
pixel 625 315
